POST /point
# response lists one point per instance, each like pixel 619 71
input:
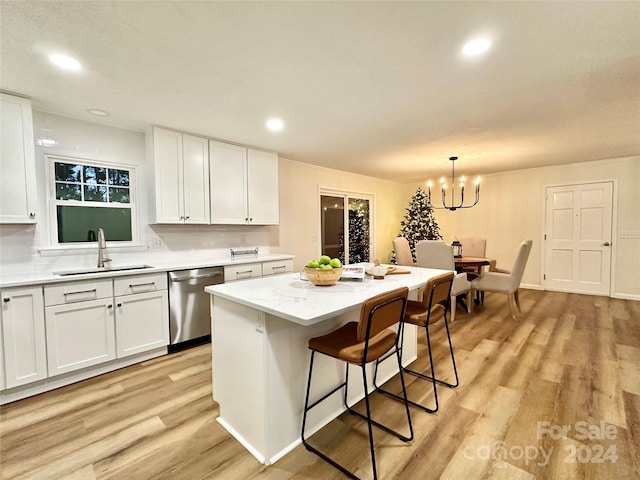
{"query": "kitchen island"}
pixel 260 329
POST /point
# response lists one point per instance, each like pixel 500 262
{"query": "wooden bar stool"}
pixel 359 343
pixel 432 307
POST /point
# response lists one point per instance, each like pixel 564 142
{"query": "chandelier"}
pixel 443 186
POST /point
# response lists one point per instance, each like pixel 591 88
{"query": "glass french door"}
pixel 346 226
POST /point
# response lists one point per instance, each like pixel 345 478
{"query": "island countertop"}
pixel 299 301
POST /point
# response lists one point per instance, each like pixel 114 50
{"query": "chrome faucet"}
pixel 102 245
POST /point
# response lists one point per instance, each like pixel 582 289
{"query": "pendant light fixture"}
pixel 443 185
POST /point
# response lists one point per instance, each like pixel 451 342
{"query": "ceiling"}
pixel 375 88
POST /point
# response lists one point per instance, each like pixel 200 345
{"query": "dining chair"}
pixel 424 314
pixel 359 343
pixel 438 254
pixel 473 246
pixel 507 283
pixel 403 252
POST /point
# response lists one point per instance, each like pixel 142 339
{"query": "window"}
pixel 355 246
pixel 86 196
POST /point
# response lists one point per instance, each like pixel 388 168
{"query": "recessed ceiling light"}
pixel 97 112
pixel 476 47
pixel 65 62
pixel 275 125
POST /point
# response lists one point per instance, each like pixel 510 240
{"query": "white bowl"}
pixel 379 271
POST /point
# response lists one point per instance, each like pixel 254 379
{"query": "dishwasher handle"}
pixel 184 276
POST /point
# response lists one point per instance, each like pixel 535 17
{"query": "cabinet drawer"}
pixel 72 292
pixel 242 272
pixel 277 266
pixel 133 284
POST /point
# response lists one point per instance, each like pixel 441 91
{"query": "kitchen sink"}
pixel 101 270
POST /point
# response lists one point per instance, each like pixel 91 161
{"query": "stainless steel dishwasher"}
pixel 189 316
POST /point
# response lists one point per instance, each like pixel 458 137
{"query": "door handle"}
pixel 606 244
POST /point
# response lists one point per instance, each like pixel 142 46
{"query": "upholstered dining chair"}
pixel 438 254
pixel 507 283
pixel 473 246
pixel 403 251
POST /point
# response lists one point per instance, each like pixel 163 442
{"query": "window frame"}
pixel 346 195
pixel 54 202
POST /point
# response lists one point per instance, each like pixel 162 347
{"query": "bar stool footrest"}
pixel 402 437
pixel 428 377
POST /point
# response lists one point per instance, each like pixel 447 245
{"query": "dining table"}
pixel 465 263
pixel 474 267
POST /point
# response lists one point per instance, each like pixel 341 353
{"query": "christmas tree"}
pixel 418 223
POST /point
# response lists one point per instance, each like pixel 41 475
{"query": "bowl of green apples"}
pixel 324 271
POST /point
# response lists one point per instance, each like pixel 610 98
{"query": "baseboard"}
pixel 621 296
pixel 626 296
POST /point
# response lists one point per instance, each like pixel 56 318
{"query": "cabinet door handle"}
pixel 119 305
pixel 32 215
pixel 606 244
pixel 6 300
pixel 279 267
pixel 109 306
pixel 187 217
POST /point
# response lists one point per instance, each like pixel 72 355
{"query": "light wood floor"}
pixel 572 361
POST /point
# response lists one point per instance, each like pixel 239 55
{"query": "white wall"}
pixel 20 245
pixel 511 209
pixel 299 229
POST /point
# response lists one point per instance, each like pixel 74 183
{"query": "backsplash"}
pixel 20 247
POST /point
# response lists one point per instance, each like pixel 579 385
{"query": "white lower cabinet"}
pixel 242 271
pixel 3 382
pixel 142 313
pixel 142 322
pixel 277 267
pixel 80 335
pixel 23 336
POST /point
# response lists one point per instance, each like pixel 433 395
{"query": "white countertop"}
pixel 300 301
pixel 157 265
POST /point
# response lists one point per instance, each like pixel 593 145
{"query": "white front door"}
pixel 578 238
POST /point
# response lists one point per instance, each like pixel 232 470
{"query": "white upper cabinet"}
pixel 228 183
pixel 262 187
pixel 182 173
pixel 243 185
pixel 17 161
